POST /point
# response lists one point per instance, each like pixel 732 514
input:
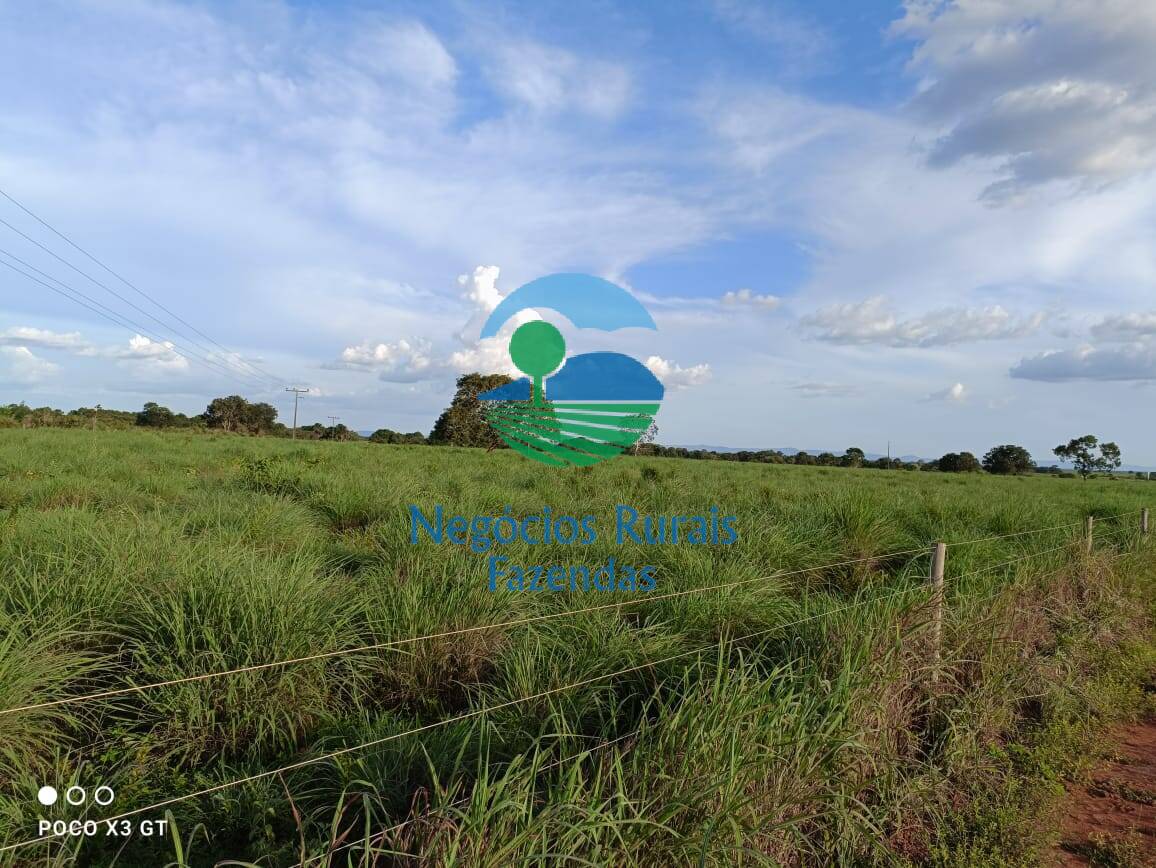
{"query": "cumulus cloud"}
pixel 24 367
pixel 749 298
pixel 150 355
pixel 1126 327
pixel 401 361
pixel 672 376
pixel 872 322
pixel 28 336
pixel 955 393
pixel 1051 90
pixel 414 359
pixel 1130 362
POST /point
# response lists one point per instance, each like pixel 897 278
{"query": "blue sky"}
pixel 925 222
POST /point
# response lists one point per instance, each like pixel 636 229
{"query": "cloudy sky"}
pixel 929 223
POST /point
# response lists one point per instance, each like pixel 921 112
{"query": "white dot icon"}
pixel 47 796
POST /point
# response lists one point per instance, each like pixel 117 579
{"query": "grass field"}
pixel 129 558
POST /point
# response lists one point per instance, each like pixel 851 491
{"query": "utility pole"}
pixel 297 393
pixel 332 421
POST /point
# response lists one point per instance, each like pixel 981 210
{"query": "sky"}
pixel 924 223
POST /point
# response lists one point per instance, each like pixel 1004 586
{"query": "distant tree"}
pixel 826 459
pixel 462 423
pixel 260 418
pixel 155 416
pixel 853 457
pixel 234 413
pixel 226 413
pixel 802 458
pixel 386 435
pixel 959 462
pixel 647 437
pixel 1078 452
pixel 339 432
pixel 1008 459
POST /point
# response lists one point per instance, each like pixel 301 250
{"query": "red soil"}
pixel 1115 808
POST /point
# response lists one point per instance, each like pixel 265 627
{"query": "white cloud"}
pixel 414 359
pixel 872 322
pixel 799 44
pixel 409 51
pixel 1053 90
pixel 749 298
pixel 150 355
pixel 1131 362
pixel 1126 327
pixel 672 376
pixel 402 361
pixel 952 394
pixel 24 367
pixel 29 336
pixel 549 78
pixel 825 390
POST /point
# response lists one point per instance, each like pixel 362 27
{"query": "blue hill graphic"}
pixel 589 377
pixel 588 302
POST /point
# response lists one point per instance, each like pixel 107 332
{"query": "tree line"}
pixel 462 424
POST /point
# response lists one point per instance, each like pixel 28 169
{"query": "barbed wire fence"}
pixel 935 592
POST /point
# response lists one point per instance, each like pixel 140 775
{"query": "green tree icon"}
pixel 537 349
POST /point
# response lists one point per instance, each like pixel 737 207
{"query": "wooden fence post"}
pixel 1088 534
pixel 1144 521
pixel 938 560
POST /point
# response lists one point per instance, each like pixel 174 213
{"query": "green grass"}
pixel 130 558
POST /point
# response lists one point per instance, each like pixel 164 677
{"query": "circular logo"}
pixel 579 410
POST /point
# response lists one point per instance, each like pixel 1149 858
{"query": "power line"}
pixel 131 324
pixel 119 319
pixel 103 286
pixel 126 282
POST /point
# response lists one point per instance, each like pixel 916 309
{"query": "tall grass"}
pixel 131 558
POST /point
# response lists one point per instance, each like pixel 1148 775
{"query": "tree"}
pixel 234 413
pixel 340 432
pixel 959 462
pixel 462 423
pixel 155 416
pixel 1008 459
pixel 226 413
pixel 387 435
pixel 1078 452
pixel 649 433
pixel 260 418
pixel 853 457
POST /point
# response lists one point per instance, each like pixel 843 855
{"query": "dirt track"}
pixel 1111 818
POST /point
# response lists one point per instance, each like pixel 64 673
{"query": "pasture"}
pixel 774 701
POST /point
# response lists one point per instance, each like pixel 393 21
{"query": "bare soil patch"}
pixel 1110 818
